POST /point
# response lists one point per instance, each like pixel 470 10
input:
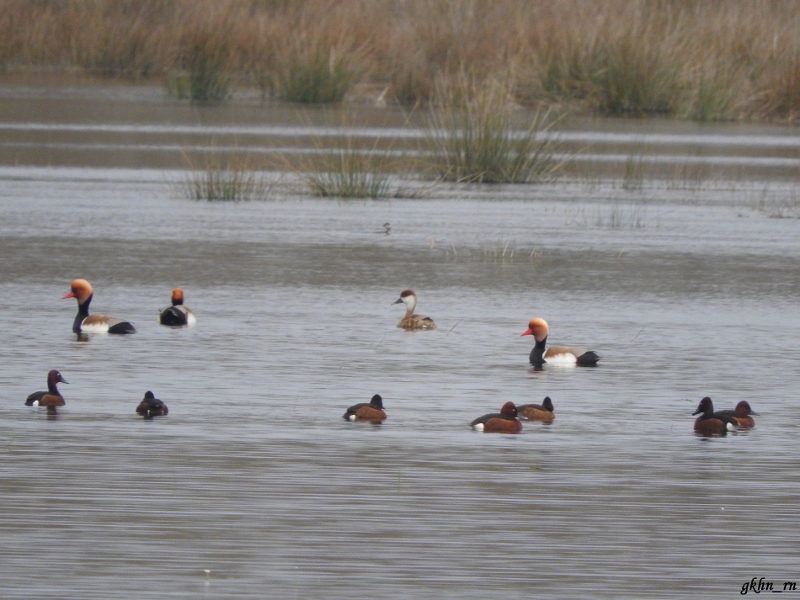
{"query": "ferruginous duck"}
pixel 52 398
pixel 742 414
pixel 558 355
pixel 411 321
pixel 505 421
pixel 177 315
pixel 81 290
pixel 371 411
pixel 151 406
pixel 538 412
pixel 711 423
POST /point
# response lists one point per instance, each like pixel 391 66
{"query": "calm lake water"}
pixel 254 486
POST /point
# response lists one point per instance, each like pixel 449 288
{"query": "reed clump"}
pixel 229 177
pixel 474 137
pixel 738 59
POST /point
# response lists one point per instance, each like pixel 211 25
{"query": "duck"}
pixel 151 406
pixel 742 414
pixel 505 421
pixel 81 290
pixel 371 411
pixel 177 315
pixel 558 355
pixel 711 423
pixel 538 412
pixel 52 398
pixel 410 322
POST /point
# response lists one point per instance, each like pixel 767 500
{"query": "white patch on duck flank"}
pixel 566 359
pixel 478 427
pixel 95 327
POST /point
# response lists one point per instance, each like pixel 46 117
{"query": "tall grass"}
pixel 474 138
pixel 342 167
pixel 702 60
pixel 228 177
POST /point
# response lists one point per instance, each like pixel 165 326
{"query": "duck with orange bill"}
pixel 177 315
pixel 557 355
pixel 82 291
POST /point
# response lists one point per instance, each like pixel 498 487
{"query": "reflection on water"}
pixel 254 485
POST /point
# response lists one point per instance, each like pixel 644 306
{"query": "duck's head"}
pixel 54 377
pixel 538 329
pixel 706 407
pixel 177 296
pixel 509 410
pixel 377 401
pixel 80 290
pixel 407 297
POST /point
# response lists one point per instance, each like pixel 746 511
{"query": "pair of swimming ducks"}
pixel 175 315
pixel 149 407
pixel 505 421
pixel 565 355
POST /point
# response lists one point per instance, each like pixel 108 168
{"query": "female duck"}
pixel 411 321
pixel 741 413
pixel 505 421
pixel 151 406
pixel 177 315
pixel 81 290
pixel 538 412
pixel 711 423
pixel 371 411
pixel 52 398
pixel 558 355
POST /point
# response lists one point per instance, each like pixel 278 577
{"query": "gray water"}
pixel 254 486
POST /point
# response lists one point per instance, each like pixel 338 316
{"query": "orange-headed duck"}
pixel 558 355
pixel 81 290
pixel 711 423
pixel 177 314
pixel 538 412
pixel 151 406
pixel 411 321
pixel 505 421
pixel 741 413
pixel 371 411
pixel 52 398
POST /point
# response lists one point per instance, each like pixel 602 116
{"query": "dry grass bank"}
pixel 701 60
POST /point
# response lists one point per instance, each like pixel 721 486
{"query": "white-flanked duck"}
pixel 371 411
pixel 411 321
pixel 177 315
pixel 151 406
pixel 505 421
pixel 81 290
pixel 558 355
pixel 52 398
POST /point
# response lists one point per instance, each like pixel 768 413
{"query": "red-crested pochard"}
pixel 81 290
pixel 558 355
pixel 177 315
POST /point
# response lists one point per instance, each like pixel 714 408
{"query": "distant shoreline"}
pixel 733 61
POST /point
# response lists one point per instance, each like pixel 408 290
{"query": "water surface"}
pixel 254 486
